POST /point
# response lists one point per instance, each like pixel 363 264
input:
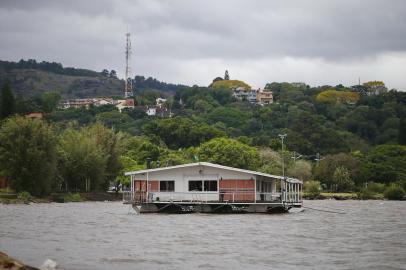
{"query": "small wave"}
pixel 49 265
pixel 124 260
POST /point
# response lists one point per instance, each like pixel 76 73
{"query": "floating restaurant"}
pixel 211 188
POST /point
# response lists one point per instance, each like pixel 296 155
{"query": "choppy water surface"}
pixel 108 235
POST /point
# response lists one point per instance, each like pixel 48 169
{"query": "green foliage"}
pixel 271 161
pixel 366 194
pixel 141 148
pixel 229 152
pixel 7 102
pixel 24 196
pixel 327 167
pixel 342 180
pixel 111 145
pixel 334 96
pixel 394 192
pixel 50 101
pixel 376 187
pixel 180 132
pixel 82 162
pixel 72 197
pixel 385 164
pixel 372 191
pixel 300 169
pixel 230 84
pixel 312 188
pixel 28 154
pixel 128 165
pixel 402 131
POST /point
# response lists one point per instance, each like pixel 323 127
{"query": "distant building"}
pixel 35 115
pixel 125 104
pixel 254 96
pixel 160 101
pixel 264 98
pixel 151 111
pixel 85 102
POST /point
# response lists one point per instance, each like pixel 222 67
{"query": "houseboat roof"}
pixel 208 164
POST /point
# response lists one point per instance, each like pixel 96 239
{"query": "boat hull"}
pixel 184 208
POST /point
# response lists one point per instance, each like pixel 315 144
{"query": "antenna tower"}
pixel 128 90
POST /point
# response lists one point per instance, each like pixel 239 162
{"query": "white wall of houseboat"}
pixel 182 176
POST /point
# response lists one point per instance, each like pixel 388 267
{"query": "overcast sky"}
pixel 193 41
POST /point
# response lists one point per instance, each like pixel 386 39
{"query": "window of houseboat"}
pixel 166 186
pixel 203 185
pixel 210 185
pixel 195 185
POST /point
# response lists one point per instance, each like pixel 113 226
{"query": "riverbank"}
pixel 6 262
pixel 339 196
pixel 12 198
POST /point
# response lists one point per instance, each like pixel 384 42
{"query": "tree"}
pixel 226 75
pixel 82 163
pixel 312 188
pixel 7 102
pixel 111 144
pixel 181 132
pixel 271 161
pixel 342 180
pixel 113 74
pixel 385 164
pixel 300 169
pixel 324 172
pixel 217 79
pixel 334 96
pixel 50 101
pixel 229 152
pixel 105 73
pixel 402 131
pixel 28 154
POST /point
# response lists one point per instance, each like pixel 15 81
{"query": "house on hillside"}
pixel 125 104
pixel 35 115
pixel 264 98
pixel 211 188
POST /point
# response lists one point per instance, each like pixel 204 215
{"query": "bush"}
pixel 394 192
pixel 24 196
pixel 366 194
pixel 312 188
pixel 376 187
pixel 75 197
pixel 402 183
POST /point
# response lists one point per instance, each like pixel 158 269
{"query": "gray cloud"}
pixel 192 41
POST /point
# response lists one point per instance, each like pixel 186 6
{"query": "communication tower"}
pixel 128 89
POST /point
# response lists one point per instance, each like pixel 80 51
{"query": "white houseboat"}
pixel 211 188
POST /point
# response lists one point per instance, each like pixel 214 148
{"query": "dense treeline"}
pixel 344 138
pixel 47 66
pixel 140 83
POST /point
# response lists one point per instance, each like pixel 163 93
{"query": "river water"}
pixel 109 235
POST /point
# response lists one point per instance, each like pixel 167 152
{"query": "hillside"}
pixel 31 82
pixel 29 78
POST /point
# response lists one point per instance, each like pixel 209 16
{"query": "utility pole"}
pixel 317 159
pixel 296 157
pixel 282 136
pixel 128 88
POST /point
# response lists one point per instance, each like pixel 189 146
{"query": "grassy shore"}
pixel 339 196
pixel 9 197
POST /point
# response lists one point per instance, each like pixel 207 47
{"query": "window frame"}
pixel 167 185
pixel 203 186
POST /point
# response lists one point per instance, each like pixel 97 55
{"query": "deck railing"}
pixel 202 197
